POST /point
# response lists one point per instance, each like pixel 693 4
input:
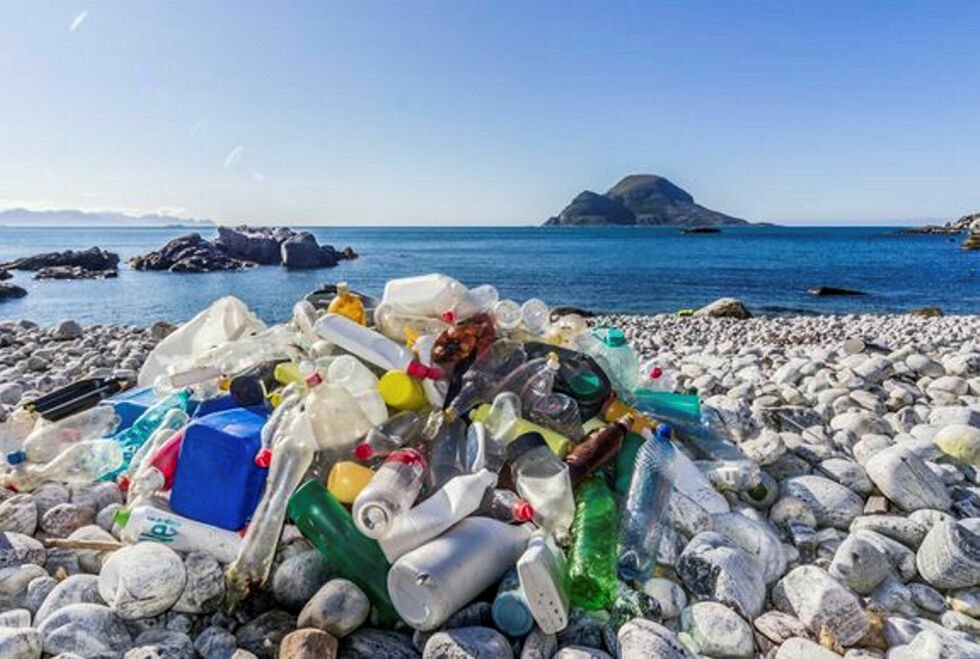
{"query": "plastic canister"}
pixel 401 391
pixel 541 570
pixel 347 479
pixel 146 522
pixel 430 583
pixel 217 480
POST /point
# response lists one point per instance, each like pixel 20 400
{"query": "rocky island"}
pixel 642 200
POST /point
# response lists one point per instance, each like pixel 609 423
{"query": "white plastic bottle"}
pixel 425 295
pixel 146 522
pixel 371 346
pixel 47 441
pixel 457 499
pixel 346 371
pixel 390 493
pixel 79 464
pixel 541 571
pixel 430 583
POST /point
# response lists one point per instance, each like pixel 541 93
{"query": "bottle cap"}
pixel 448 317
pixel 420 370
pixel 523 510
pixel 363 451
pixel 656 372
pixel 342 288
pixel 264 457
pixel 663 432
pixel 523 444
pixel 16 457
pixel 612 337
pixel 122 516
pixel 401 391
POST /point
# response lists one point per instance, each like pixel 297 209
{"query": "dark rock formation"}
pixel 188 253
pixel 641 199
pixel 74 272
pixel 826 291
pixel 259 245
pixel 953 227
pixel 5 274
pixel 972 241
pixel 302 251
pixel 92 258
pixel 701 230
pixel 10 291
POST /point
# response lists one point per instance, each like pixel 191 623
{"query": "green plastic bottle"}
pixel 625 461
pixel 328 525
pixel 592 560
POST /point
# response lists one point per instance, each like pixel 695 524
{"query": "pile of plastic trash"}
pixel 431 445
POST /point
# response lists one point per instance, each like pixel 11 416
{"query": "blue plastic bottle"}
pixel 217 480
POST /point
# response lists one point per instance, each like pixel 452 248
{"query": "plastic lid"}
pixel 122 516
pixel 585 384
pixel 523 510
pixel 524 443
pixel 656 372
pixel 400 391
pixel 264 457
pixel 363 451
pixel 663 432
pixel 16 457
pixel 612 337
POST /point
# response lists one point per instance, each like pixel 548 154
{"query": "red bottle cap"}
pixel 421 371
pixel 124 483
pixel 264 458
pixel 656 372
pixel 363 452
pixel 448 317
pixel 523 510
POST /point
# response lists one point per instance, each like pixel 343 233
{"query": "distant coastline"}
pixel 68 218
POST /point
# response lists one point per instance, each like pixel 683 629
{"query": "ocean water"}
pixel 627 269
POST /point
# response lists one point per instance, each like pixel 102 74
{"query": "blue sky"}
pixel 461 112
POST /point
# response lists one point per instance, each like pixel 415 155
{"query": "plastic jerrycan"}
pixel 425 295
pixel 542 571
pixel 328 525
pixel 430 583
pixel 217 480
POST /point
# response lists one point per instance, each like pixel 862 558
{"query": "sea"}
pixel 601 269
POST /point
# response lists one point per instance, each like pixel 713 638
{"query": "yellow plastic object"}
pixel 348 305
pixel 347 479
pixel 558 443
pixel 287 373
pixel 615 409
pixel 401 391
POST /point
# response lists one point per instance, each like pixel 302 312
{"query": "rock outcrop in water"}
pixel 953 227
pixel 93 258
pixel 242 247
pixel 641 199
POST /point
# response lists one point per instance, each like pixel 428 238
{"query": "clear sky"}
pixel 465 112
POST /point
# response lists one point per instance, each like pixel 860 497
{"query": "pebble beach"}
pixel 864 543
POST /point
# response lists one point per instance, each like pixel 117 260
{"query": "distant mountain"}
pixel 22 217
pixel 641 199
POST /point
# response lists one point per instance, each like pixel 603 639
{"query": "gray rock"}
pixel 819 602
pixel 832 504
pixel 713 567
pixel 106 518
pixel 15 618
pixel 262 635
pixel 88 559
pixel 756 539
pixel 97 496
pixel 860 423
pixel 10 393
pixel 642 639
pixel 579 652
pixel 906 480
pixel 670 596
pixel 848 473
pixel 717 631
pixel 308 644
pixel 48 496
pixel 954 414
pixel 76 589
pixel 298 578
pixel 62 562
pixel 907 531
pixel 14 580
pixel 205 584
pixel 966 600
pixel 62 520
pixel 538 645
pixel 339 607
pixel 37 591
pixel 927 598
pixel 20 643
pixel 161 644
pixel 215 643
pixel 777 626
pixel 19 549
pixel 142 580
pixel 802 648
pixel 468 643
pixel 726 307
pixel 67 330
pixel 859 564
pixel 376 644
pixel 949 557
pixel 87 630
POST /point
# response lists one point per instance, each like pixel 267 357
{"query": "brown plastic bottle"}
pixel 597 449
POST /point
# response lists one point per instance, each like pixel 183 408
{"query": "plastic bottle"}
pixel 609 347
pixel 596 450
pixel 655 377
pixel 542 571
pixel 566 330
pixel 704 432
pixel 336 418
pixel 504 423
pixel 371 346
pixel 291 458
pixel 173 421
pixel 510 611
pixel 75 397
pixel 401 392
pixel 131 439
pixel 542 479
pixel 446 450
pixel 435 389
pixel 347 304
pixel 432 582
pixel 399 430
pixel 507 314
pixel 347 372
pixel 531 380
pixel 642 516
pixel 290 398
pixel 425 295
pixel 592 559
pixel 505 506
pixel 391 492
pixel 488 370
pixel 459 342
pixel 47 441
pixel 455 500
pixel 80 464
pixel 625 460
pixel 557 412
pixel 400 326
pixel 325 523
pixel 615 409
pixel 146 522
pixel 156 472
pixel 276 343
pixel 347 480
pixel 535 316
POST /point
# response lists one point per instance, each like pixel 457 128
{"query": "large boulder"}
pixel 188 253
pixel 726 307
pixel 302 252
pixel 256 244
pixel 11 291
pixel 74 272
pixel 93 258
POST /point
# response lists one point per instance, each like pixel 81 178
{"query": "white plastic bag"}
pixel 227 319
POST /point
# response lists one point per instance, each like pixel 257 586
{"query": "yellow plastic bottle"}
pixel 401 391
pixel 558 443
pixel 347 479
pixel 348 305
pixel 616 409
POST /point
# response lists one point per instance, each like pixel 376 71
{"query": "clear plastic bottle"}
pixel 290 460
pixel 543 479
pixel 391 492
pixel 347 304
pixel 592 559
pixel 608 346
pixel 290 398
pixel 488 370
pixel 371 346
pixel 539 384
pixel 435 389
pixel 401 326
pixel 504 422
pixel 535 316
pixel 81 463
pixel 507 314
pixel 347 372
pixel 47 441
pixel 172 422
pixel 655 376
pixel 643 513
pixel 276 343
pixel 336 418
pixel 446 450
pixel 505 506
pixel 132 438
pixel 399 430
pixel 557 412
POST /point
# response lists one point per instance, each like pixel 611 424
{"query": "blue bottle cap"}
pixel 16 457
pixel 663 432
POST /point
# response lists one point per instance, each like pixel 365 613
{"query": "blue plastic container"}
pixel 129 405
pixel 217 480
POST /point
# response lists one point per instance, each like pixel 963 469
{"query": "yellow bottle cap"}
pixel 401 391
pixel 347 479
pixel 287 372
